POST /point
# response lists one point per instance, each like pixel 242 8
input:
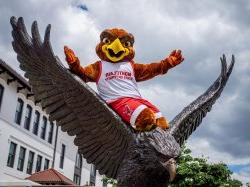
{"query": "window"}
pixel 93 170
pixel 43 128
pixel 62 156
pixel 19 111
pixel 78 162
pixel 77 179
pixel 78 169
pixel 46 164
pixel 38 163
pixel 12 154
pixel 27 117
pixel 92 175
pixel 30 162
pixel 36 122
pixel 51 128
pixel 1 94
pixel 21 159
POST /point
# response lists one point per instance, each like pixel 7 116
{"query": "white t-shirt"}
pixel 117 80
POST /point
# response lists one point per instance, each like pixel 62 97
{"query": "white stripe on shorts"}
pixel 136 113
pixel 158 115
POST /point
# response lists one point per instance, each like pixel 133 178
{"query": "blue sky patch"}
pixel 82 7
pixel 238 167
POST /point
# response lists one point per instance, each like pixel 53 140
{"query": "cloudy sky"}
pixel 203 30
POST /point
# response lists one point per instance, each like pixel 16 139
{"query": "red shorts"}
pixel 129 108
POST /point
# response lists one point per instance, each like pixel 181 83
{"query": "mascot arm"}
pixel 89 73
pixel 147 71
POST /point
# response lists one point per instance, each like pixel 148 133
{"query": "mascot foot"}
pixel 171 167
pixel 162 123
pixel 146 120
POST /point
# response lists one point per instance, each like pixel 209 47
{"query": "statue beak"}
pixel 170 165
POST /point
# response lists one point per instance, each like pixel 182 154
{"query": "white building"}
pixel 29 141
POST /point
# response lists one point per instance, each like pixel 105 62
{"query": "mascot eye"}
pixel 127 44
pixel 106 40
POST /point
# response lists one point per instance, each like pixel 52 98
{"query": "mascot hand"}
pixel 70 55
pixel 175 58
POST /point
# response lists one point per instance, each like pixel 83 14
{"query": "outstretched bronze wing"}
pixel 101 136
pixel 191 116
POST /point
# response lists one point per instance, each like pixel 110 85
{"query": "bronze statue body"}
pixel 135 159
pixel 143 165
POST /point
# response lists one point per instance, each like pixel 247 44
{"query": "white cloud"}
pixel 244 178
pixel 169 101
pixel 202 147
pixel 79 32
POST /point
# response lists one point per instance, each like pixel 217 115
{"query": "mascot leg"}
pixel 146 120
pixel 141 114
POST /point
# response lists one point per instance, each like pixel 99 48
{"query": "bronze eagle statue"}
pixel 135 159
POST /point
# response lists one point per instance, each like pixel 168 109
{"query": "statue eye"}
pixel 127 44
pixel 106 40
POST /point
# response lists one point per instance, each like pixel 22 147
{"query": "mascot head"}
pixel 116 45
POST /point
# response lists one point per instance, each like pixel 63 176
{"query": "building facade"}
pixel 30 142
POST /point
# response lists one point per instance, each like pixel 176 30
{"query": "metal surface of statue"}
pixel 117 150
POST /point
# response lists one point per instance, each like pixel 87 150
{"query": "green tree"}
pixel 198 172
pixel 111 181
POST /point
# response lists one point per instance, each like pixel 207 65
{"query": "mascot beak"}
pixel 116 46
pixel 115 51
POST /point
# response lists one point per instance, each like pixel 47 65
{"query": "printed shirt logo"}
pixel 127 110
pixel 118 75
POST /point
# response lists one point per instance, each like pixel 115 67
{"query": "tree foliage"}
pixel 111 181
pixel 198 172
